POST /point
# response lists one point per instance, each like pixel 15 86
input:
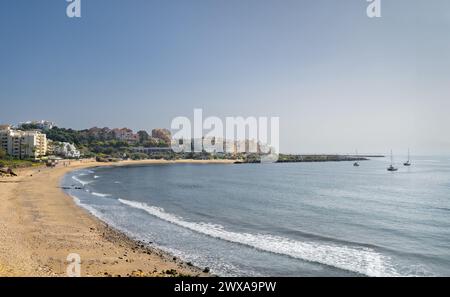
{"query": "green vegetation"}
pixel 102 142
pixel 143 136
pixel 2 153
pixel 10 162
pixel 138 156
pixel 26 127
pixel 15 163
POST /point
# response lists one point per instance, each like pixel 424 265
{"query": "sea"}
pixel 283 219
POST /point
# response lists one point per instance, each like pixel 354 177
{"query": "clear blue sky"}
pixel 337 79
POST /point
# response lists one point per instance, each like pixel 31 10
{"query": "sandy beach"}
pixel 40 226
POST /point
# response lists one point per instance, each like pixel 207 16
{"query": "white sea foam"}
pixel 100 194
pixel 356 259
pixel 81 181
pixel 92 210
pixel 96 176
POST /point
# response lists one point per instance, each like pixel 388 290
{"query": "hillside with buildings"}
pixel 43 140
pixel 36 140
pixel 23 144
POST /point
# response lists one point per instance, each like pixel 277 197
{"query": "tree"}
pixel 2 153
pixel 143 136
pixel 163 134
pixel 27 127
pixel 138 156
pixel 151 142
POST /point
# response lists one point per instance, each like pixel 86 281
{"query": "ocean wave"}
pixel 81 181
pixel 89 208
pixel 361 260
pixel 100 194
pixel 96 176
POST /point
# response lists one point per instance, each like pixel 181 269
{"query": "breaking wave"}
pixel 81 181
pixel 362 260
pixel 100 194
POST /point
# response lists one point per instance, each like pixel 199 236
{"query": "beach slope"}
pixel 40 226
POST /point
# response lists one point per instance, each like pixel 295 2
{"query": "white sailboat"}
pixel 408 163
pixel 391 167
pixel 356 164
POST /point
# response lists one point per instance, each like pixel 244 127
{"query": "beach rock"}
pixel 171 272
pixel 7 171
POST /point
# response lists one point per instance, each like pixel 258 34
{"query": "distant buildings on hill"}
pixel 127 135
pixel 23 144
pixel 43 125
pixel 29 140
pixel 163 134
pixel 63 149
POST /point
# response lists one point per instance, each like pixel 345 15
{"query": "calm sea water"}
pixel 300 219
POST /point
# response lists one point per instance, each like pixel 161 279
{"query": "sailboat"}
pixel 391 167
pixel 407 163
pixel 356 164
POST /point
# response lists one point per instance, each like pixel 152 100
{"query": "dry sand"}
pixel 40 226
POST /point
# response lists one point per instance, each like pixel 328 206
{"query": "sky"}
pixel 338 80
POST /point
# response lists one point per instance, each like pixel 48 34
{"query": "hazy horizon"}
pixel 338 80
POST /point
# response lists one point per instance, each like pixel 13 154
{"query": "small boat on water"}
pixel 356 164
pixel 391 167
pixel 407 163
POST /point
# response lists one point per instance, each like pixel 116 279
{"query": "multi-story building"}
pixel 125 134
pixel 63 149
pixel 23 144
pixel 4 132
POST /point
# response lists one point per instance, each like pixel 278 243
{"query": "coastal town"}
pixel 43 141
pixel 37 142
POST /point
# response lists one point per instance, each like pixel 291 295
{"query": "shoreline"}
pixel 41 225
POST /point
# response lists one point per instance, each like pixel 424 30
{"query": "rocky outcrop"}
pixel 6 171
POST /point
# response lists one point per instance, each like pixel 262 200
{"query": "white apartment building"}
pixel 4 131
pixel 64 149
pixel 23 144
